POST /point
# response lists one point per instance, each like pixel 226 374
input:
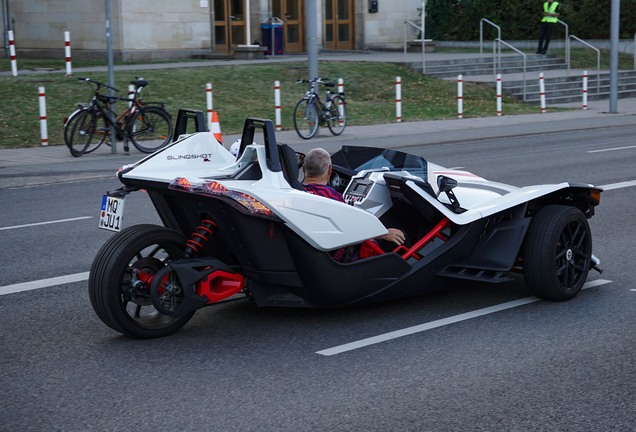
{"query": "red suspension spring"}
pixel 206 228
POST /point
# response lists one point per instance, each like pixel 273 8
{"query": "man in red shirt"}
pixel 317 169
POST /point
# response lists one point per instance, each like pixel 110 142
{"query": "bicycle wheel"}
pixel 306 118
pixel 102 131
pixel 150 129
pixel 337 115
pixel 82 132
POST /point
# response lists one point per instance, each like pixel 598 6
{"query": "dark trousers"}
pixel 545 34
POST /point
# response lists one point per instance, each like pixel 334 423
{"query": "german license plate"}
pixel 112 214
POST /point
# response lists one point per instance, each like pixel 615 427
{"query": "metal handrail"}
pixel 567 45
pixel 515 49
pixel 414 25
pixel 423 43
pixel 598 63
pixel 481 35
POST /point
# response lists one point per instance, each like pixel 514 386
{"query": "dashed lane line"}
pixel 440 323
pixel 46 223
pixel 43 283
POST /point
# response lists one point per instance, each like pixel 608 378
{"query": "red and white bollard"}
pixel 584 90
pixel 208 98
pixel 43 130
pixel 14 65
pixel 340 104
pixel 542 92
pixel 277 104
pixel 131 94
pixel 460 97
pixel 398 99
pixel 67 51
pixel 498 94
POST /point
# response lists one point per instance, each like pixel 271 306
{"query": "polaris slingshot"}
pixel 244 227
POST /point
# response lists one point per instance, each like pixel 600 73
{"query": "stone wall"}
pixel 143 29
pixel 385 29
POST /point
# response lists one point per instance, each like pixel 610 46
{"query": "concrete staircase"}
pixel 560 90
pixel 559 87
pixel 477 66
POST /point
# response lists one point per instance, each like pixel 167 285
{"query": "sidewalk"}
pixel 45 165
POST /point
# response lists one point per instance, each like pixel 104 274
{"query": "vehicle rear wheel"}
pixel 306 118
pixel 150 129
pixel 557 253
pixel 337 115
pixel 119 296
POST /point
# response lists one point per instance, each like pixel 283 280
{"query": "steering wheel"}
pixel 334 180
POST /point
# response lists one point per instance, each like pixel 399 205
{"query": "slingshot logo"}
pixel 189 156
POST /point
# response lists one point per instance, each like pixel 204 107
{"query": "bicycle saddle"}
pixel 139 83
pixel 329 84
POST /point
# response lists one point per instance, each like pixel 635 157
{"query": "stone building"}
pixel 168 29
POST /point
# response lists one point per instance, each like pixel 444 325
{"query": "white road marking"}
pixel 46 223
pixel 632 289
pixel 611 149
pixel 439 323
pixel 619 185
pixel 43 283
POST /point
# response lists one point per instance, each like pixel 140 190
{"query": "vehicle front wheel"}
pixel 119 296
pixel 306 118
pixel 557 253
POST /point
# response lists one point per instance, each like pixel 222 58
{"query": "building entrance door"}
pixel 291 12
pixel 229 25
pixel 339 24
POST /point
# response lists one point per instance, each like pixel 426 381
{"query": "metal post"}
pixel 423 37
pixel 312 38
pixel 111 77
pixel 613 91
pixel 5 15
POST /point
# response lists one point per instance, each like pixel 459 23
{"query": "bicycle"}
pixel 147 124
pixel 310 112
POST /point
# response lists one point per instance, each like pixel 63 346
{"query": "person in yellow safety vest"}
pixel 551 10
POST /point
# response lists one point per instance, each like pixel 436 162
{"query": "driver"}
pixel 317 169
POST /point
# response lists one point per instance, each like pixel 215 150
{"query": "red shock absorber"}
pixel 206 228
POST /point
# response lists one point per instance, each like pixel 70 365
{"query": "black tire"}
pixel 116 302
pixel 102 132
pixel 82 127
pixel 337 115
pixel 150 129
pixel 306 118
pixel 557 253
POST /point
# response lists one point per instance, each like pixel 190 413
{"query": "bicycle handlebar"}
pixel 315 80
pixel 88 80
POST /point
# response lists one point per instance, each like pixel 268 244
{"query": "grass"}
pixel 246 91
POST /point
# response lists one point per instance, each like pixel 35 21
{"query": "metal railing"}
pixel 598 63
pixel 423 43
pixel 567 45
pixel 494 68
pixel 481 35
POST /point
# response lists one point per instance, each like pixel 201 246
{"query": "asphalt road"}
pixel 541 366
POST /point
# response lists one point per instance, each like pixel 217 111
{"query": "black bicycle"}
pixel 310 112
pixel 147 124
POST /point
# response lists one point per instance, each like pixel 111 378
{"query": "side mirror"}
pixel 300 159
pixel 445 184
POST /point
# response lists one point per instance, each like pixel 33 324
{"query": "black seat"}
pixel 289 165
